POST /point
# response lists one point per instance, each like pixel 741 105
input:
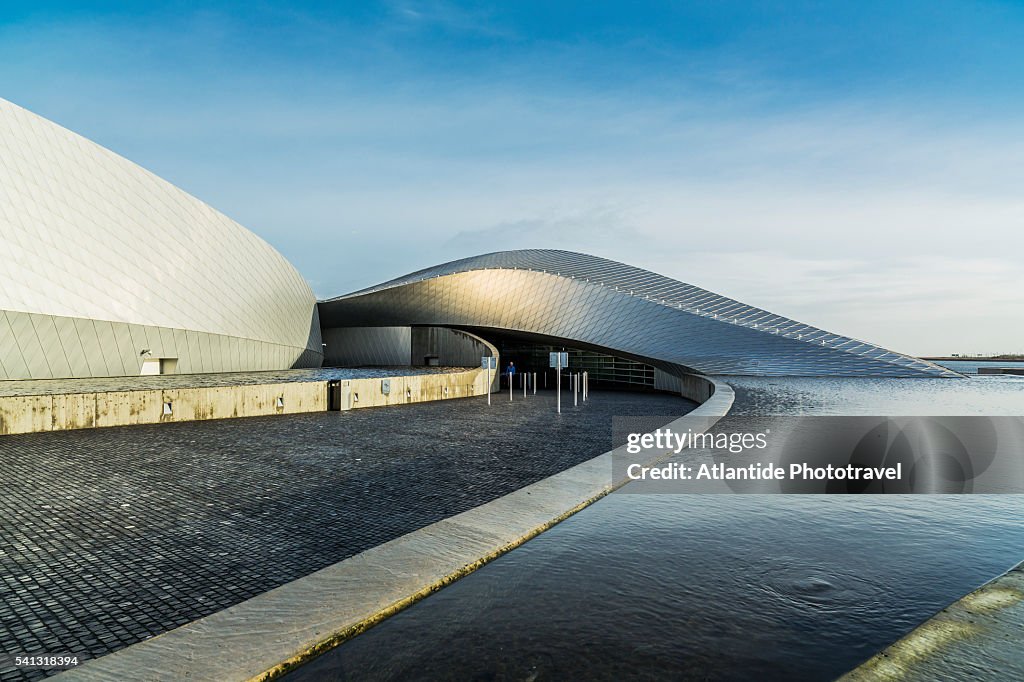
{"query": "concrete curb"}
pixel 272 633
pixel 977 637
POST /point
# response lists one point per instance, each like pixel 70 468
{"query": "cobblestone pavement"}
pixel 111 536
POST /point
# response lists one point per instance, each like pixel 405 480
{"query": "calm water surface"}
pixel 716 587
pixel 971 366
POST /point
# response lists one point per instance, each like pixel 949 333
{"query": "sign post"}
pixel 488 363
pixel 558 361
pixel 558 382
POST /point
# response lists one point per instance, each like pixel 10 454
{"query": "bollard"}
pixel 575 389
pixel 535 383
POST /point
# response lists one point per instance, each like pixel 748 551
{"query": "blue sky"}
pixel 853 165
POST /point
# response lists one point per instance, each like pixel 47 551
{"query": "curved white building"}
pixel 570 299
pixel 108 270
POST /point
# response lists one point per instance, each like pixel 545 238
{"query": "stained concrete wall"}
pixel 30 414
pixel 357 393
pixel 36 413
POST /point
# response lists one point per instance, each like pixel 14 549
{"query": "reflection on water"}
pixel 971 366
pixel 986 395
pixel 723 587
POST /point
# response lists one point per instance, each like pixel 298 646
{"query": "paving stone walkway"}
pixel 111 536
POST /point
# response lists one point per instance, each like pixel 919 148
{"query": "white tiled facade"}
pixel 105 265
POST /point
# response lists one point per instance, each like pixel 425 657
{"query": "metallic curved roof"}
pixel 608 305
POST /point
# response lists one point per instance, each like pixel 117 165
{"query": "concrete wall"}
pixel 31 414
pixel 358 393
pixel 693 386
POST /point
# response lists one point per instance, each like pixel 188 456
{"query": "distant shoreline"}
pixel 975 359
